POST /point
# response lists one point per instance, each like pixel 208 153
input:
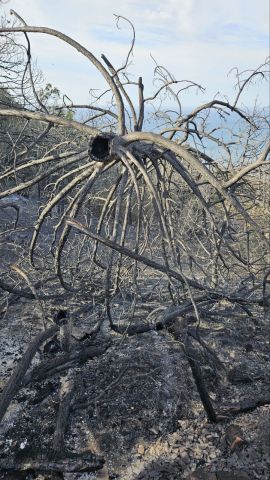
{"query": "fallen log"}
pixel 168 316
pixel 200 384
pixel 66 360
pixel 183 335
pixel 69 462
pixel 247 405
pixel 17 378
pixel 65 397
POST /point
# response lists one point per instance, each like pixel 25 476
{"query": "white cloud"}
pixel 195 39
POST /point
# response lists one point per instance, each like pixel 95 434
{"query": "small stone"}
pixel 141 449
pixel 182 449
pixel 184 457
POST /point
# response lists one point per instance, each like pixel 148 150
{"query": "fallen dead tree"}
pixel 155 204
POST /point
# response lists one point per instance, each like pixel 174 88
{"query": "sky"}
pixel 198 40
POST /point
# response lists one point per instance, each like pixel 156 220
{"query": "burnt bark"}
pixel 100 148
pixel 17 378
pixel 199 381
pixel 70 462
pixel 64 361
pixel 65 397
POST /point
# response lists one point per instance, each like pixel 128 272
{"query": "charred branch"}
pixel 17 379
pixel 71 462
pixel 65 397
pixel 62 362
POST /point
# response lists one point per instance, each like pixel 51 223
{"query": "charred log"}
pixel 16 380
pixel 62 362
pixel 65 396
pixel 200 384
pixel 70 462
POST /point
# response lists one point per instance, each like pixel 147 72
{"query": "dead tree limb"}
pixel 89 56
pixel 17 378
pixel 202 390
pixel 48 118
pixel 65 397
pixel 247 405
pixel 71 462
pixel 64 361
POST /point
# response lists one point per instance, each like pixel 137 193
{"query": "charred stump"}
pixel 101 148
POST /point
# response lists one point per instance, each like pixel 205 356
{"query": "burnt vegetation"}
pixel 125 222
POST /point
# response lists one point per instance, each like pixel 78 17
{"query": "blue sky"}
pixel 198 40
